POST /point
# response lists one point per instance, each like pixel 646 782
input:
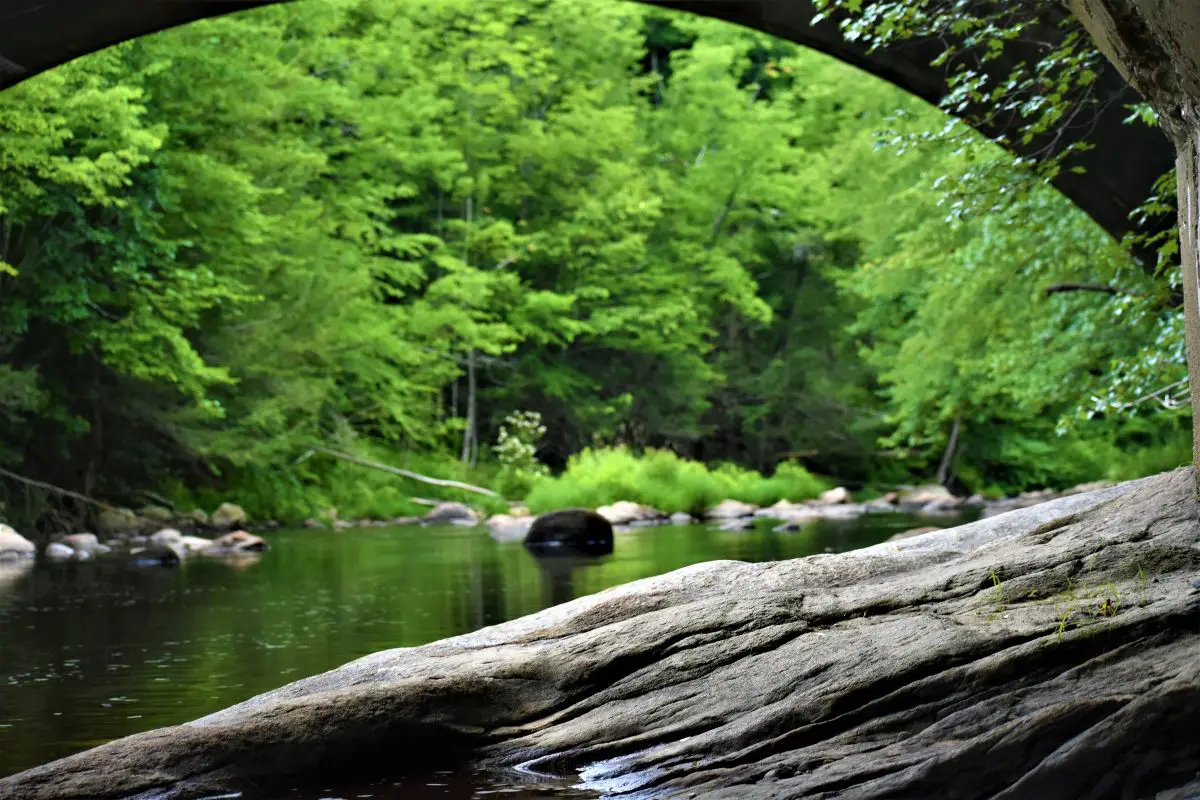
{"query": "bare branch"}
pixel 1101 288
pixel 49 487
pixel 362 462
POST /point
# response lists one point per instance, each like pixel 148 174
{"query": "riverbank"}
pixel 158 534
pixel 1066 631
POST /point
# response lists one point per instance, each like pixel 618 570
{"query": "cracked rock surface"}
pixel 1053 652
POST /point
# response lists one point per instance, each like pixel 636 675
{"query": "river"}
pixel 91 652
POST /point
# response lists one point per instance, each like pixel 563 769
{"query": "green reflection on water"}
pixel 92 652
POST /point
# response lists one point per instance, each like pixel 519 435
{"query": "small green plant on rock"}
pixel 1001 599
pixel 1087 606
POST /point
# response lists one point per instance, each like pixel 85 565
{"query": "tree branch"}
pixel 1101 288
pixel 52 488
pixel 362 462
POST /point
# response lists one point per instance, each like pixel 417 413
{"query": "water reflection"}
pixel 558 576
pixel 94 651
pixel 11 573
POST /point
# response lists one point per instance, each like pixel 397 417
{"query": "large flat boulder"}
pixel 1046 653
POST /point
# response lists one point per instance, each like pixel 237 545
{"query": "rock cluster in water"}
pixel 143 537
pixel 933 501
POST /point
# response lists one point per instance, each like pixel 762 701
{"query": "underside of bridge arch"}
pixel 1119 170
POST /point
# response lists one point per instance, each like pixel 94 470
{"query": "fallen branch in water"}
pixel 416 476
pixel 49 487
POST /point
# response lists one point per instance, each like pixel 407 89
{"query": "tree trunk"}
pixel 943 473
pixel 469 447
pixel 1156 46
pixel 1188 220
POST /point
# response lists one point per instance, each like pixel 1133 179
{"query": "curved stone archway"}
pixel 36 35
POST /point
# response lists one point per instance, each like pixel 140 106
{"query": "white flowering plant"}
pixel 516 450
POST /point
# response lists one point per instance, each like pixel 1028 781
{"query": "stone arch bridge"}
pixel 36 35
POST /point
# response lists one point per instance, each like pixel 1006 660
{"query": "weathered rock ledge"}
pixel 1053 652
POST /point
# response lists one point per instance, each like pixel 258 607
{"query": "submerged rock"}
pixel 164 555
pixel 799 519
pixel 14 546
pixel 1024 656
pixel 574 530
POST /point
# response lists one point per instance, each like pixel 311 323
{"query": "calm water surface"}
pixel 93 652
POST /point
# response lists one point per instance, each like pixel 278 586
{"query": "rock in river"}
pixel 164 555
pixel 731 509
pixel 923 496
pixel 121 523
pixel 237 542
pixel 894 671
pixel 57 551
pixel 166 536
pixel 83 543
pixel 14 546
pixel 228 516
pixel 834 496
pixel 624 512
pixel 573 530
pixel 194 544
pixel 508 527
pixel 160 514
pixel 452 512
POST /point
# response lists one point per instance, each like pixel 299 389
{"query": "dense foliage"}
pixel 663 480
pixel 386 227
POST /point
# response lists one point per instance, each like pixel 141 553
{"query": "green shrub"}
pixel 661 479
